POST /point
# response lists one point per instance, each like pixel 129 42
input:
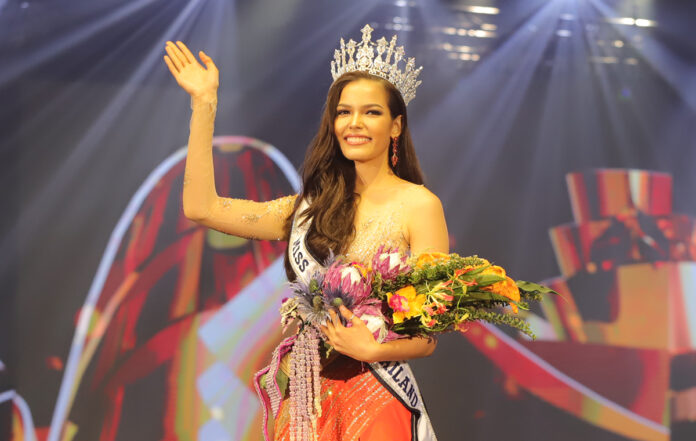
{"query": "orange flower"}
pixel 507 288
pixel 494 269
pixel 429 258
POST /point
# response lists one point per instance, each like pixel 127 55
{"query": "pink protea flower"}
pixel 389 263
pixel 352 283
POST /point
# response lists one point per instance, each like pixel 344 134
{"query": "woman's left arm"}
pixel 427 230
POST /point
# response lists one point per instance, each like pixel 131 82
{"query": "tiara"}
pixel 365 60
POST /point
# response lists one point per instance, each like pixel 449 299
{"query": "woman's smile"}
pixel 363 124
pixel 357 139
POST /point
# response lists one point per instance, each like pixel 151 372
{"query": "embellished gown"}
pixel 362 401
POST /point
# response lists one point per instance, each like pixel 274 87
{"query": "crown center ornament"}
pixel 361 56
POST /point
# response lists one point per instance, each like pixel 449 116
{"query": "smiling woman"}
pixel 362 189
pixel 364 125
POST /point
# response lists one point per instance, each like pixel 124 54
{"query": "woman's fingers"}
pixel 171 66
pixel 179 55
pixel 171 51
pixel 334 318
pixel 186 52
pixel 350 316
pixel 347 313
pixel 207 60
pixel 189 73
pixel 329 331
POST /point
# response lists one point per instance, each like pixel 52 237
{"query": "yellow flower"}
pixel 415 303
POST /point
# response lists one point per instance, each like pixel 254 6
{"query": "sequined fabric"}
pixel 385 228
pixel 355 406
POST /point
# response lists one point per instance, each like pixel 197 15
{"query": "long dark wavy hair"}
pixel 328 177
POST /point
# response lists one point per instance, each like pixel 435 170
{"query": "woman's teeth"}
pixel 354 140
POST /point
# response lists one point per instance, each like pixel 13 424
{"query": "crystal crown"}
pixel 361 57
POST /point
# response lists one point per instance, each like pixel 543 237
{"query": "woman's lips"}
pixel 357 140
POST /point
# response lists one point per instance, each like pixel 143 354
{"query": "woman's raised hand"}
pixel 195 79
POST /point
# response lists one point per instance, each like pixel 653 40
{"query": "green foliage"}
pixel 488 279
pixel 473 296
pixel 533 292
pixel 497 318
pixel 530 287
pixel 469 302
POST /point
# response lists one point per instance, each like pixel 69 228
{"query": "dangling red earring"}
pixel 395 157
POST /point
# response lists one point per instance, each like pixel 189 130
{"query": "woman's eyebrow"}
pixel 365 106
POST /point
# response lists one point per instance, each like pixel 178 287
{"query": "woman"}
pixel 362 188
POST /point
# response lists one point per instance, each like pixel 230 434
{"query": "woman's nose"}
pixel 356 120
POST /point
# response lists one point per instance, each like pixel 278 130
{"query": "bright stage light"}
pixel 645 23
pixel 489 10
pixel 482 10
pixel 604 60
pixel 629 21
pixel 478 33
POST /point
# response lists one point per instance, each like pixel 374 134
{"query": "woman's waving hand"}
pixel 196 80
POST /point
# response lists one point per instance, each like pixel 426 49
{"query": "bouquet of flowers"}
pixel 428 294
pixel 395 296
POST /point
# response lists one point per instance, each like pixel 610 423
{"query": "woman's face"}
pixel 363 125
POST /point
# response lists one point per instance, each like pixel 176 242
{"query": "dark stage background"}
pixel 559 135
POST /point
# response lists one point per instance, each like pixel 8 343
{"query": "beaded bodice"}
pixel 385 227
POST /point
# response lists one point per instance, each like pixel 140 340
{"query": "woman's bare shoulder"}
pixel 424 219
pixel 417 196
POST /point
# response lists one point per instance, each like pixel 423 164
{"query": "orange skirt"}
pixel 354 407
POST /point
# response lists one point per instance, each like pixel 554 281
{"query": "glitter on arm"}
pixel 250 219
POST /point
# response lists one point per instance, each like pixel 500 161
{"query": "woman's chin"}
pixel 358 154
pixel 360 158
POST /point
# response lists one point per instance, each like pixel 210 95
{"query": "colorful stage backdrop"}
pixel 559 135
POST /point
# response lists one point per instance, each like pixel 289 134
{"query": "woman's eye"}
pixel 342 112
pixel 374 112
